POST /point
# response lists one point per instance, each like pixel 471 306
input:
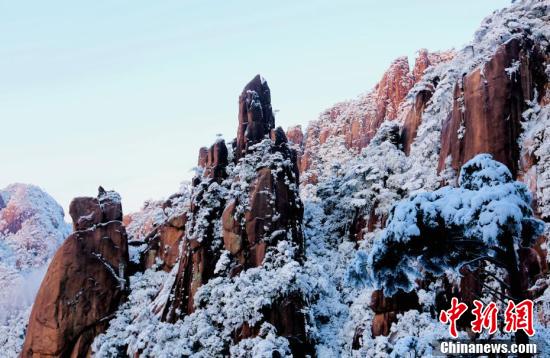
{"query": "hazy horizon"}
pixel 124 94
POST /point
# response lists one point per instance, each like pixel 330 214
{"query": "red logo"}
pixel 516 317
pixel 519 316
pixel 452 315
pixel 484 318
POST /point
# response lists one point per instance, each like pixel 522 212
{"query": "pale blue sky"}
pixel 123 93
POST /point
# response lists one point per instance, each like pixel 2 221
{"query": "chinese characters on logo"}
pixel 517 316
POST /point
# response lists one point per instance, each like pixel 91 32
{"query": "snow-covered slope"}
pixel 359 160
pixel 345 128
pixel 256 276
pixel 32 227
pixel 355 193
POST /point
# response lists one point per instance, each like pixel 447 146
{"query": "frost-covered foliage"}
pixel 413 335
pixel 536 143
pixel 266 345
pixel 350 187
pixel 140 223
pixel 12 332
pixel 370 185
pixel 522 19
pixel 450 227
pixel 32 227
pixel 327 259
pixel 224 304
pixel 154 213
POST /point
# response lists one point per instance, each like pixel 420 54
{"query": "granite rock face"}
pixel 354 123
pixel 488 106
pixel 256 118
pixel 243 205
pixel 199 253
pixel 85 282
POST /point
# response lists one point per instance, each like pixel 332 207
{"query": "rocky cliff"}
pixel 253 257
pixel 353 124
pixel 85 282
pixel 243 209
pixel 31 228
pixel 490 97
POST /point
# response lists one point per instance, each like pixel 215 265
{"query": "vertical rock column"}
pixel 199 251
pixel 244 207
pixel 85 282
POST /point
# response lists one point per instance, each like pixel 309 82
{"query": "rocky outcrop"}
pixel 386 309
pixel 355 122
pixel 199 254
pixel 413 119
pixel 163 243
pixel 32 227
pixel 487 117
pixel 256 118
pixel 295 135
pixel 85 282
pixel 273 211
pixel 488 106
pixel 244 207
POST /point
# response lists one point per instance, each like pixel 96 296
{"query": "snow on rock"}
pixel 487 204
pixel 349 126
pixel 239 284
pixel 354 193
pixel 260 271
pixel 85 281
pixel 32 226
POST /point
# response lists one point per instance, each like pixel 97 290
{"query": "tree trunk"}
pixel 512 263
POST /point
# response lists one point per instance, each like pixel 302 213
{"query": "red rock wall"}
pixel 85 282
pixel 273 210
pixel 488 104
pixel 357 121
pixel 198 258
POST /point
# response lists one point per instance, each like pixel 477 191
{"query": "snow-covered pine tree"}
pixel 488 218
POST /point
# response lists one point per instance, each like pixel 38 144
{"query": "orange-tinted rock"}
pixel 163 243
pixel 295 135
pixel 325 132
pixel 203 157
pixel 387 308
pixel 85 212
pixel 111 208
pixel 256 118
pixel 414 118
pixel 357 121
pixel 232 236
pixel 488 104
pixel 530 267
pixel 426 59
pixel 216 161
pixel 85 283
pixel 198 256
pixel 273 210
pixel 381 323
